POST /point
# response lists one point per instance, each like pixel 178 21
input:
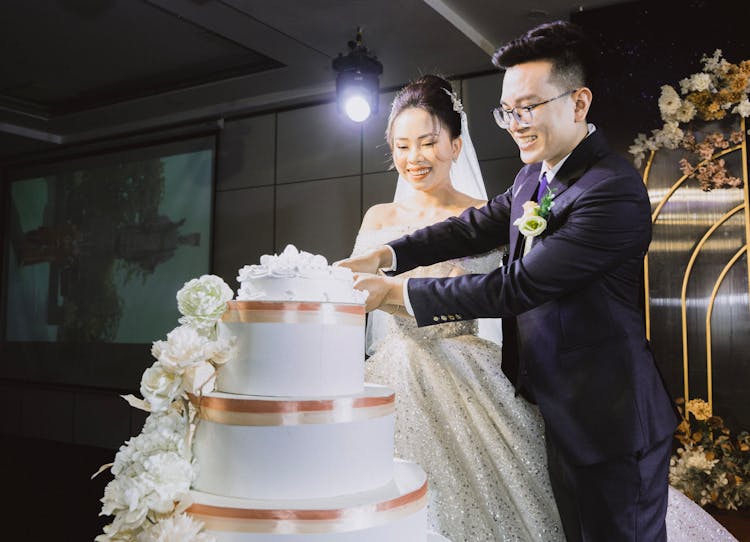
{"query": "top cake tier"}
pixel 296 275
pixel 299 326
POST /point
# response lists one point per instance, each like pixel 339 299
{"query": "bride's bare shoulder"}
pixel 468 201
pixel 378 216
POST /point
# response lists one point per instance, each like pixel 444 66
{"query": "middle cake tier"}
pixel 290 349
pixel 256 447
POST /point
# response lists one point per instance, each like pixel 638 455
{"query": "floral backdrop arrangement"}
pixel 153 471
pixel 721 88
pixel 711 467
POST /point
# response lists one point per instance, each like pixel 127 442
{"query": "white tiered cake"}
pixel 293 444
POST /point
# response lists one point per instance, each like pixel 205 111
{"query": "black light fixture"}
pixel 357 81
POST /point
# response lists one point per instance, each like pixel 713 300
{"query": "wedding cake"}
pixel 292 444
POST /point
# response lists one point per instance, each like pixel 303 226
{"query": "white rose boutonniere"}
pixel 533 222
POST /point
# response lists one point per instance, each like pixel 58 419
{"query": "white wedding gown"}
pixel 482 447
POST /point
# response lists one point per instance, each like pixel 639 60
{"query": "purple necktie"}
pixel 542 188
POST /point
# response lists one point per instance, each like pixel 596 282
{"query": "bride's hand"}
pixel 381 290
pixel 369 262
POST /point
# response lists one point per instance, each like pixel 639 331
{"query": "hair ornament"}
pixel 458 107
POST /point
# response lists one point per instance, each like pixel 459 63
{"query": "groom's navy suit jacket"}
pixel 575 299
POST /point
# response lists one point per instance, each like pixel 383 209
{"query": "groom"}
pixel 572 298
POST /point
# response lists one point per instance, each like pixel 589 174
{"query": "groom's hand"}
pixel 381 290
pixel 369 262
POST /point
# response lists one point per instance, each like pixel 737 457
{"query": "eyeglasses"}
pixel 523 115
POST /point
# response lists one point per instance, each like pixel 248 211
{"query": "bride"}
pixel 457 415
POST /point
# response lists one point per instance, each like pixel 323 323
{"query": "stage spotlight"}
pixel 357 81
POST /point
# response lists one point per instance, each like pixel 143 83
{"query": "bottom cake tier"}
pixel 393 513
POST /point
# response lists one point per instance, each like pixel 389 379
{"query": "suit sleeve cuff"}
pixel 393 260
pixel 407 301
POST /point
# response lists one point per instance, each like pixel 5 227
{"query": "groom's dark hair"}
pixel 562 43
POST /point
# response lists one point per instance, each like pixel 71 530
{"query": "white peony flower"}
pixel 160 387
pixel 162 432
pixel 167 476
pixel 123 498
pixel 178 528
pixel 222 350
pixel 184 347
pixel 697 82
pixel 202 301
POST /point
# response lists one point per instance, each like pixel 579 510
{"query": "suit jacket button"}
pixel 451 317
pixel 444 318
pixel 435 319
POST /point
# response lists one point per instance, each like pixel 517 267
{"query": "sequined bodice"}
pixel 399 324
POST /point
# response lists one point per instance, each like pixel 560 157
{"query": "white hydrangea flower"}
pixel 202 301
pixel 669 102
pixel 669 136
pixel 184 347
pixel 712 63
pixel 696 459
pixel 160 386
pixel 177 528
pixel 742 108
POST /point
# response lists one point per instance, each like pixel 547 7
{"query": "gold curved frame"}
pixel 712 299
pixel 709 312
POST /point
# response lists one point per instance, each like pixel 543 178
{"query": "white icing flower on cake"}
pixel 203 301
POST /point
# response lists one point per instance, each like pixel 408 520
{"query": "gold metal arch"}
pixel 683 292
pixel 683 298
pixel 709 312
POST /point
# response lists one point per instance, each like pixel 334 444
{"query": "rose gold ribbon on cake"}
pixel 288 312
pixel 219 518
pixel 258 412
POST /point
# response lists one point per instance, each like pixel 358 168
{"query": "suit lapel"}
pixel 526 192
pixel 588 151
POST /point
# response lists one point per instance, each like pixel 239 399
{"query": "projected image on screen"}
pixel 96 254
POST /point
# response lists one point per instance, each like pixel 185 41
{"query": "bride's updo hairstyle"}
pixel 430 93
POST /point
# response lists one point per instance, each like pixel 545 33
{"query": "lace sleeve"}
pixel 482 263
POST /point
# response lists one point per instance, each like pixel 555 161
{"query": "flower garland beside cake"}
pixel 153 471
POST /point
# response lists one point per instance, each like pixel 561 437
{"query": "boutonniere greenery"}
pixel 534 219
